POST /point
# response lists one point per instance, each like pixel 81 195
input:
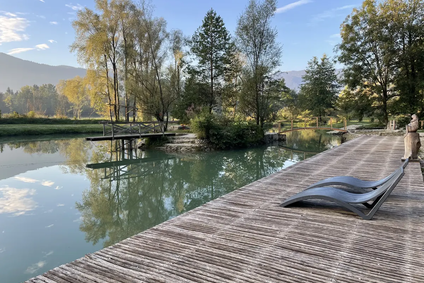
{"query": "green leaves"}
pixel 318 93
pixel 256 40
pixel 212 47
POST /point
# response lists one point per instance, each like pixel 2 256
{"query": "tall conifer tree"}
pixel 211 44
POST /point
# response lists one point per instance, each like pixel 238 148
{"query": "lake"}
pixel 62 198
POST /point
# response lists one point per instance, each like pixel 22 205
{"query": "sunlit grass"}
pixel 37 129
pixel 366 124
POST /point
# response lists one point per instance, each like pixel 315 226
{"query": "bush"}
pixel 203 125
pixel 402 121
pixel 31 114
pixel 223 133
pixel 14 115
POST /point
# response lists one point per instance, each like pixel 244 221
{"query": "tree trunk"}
pixel 107 87
pixel 134 109
pixel 386 115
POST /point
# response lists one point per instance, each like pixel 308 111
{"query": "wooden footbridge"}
pixel 317 127
pixel 245 236
pixel 131 130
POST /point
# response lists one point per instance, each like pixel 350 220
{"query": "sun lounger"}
pixel 354 183
pixel 348 199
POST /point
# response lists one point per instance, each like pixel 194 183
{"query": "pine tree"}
pixel 211 44
pixel 318 93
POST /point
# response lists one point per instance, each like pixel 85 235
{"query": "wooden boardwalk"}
pixel 245 236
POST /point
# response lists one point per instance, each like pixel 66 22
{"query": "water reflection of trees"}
pixel 312 141
pixel 116 208
pixel 138 190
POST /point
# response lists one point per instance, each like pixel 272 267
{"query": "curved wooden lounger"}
pixel 355 183
pixel 346 199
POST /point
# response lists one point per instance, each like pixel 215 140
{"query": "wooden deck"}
pixel 246 237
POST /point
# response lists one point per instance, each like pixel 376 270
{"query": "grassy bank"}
pixel 49 129
pixel 48 121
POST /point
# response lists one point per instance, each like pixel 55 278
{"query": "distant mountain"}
pixel 16 73
pixel 293 79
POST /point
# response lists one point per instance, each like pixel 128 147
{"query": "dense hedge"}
pixel 223 133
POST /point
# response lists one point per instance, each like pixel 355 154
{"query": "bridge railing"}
pixel 308 121
pixel 126 128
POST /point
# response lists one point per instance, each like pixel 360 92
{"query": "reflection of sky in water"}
pixel 37 217
pixel 41 226
pixel 16 201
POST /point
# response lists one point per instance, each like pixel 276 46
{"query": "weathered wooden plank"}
pixel 245 236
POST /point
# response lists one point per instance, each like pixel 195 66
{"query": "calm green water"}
pixel 63 198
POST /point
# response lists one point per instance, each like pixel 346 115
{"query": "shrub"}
pixel 31 114
pixel 14 115
pixel 203 125
pixel 223 133
pixel 402 121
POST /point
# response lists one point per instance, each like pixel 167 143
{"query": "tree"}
pixel 149 78
pixel 211 44
pixel 75 90
pixel 291 104
pixel 368 53
pixel 318 93
pixel 357 103
pixel 407 30
pixel 102 44
pixel 192 100
pixel 256 41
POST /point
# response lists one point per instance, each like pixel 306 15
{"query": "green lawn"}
pixel 366 124
pixel 37 129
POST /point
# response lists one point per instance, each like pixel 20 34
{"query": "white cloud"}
pixel 50 226
pixel 42 1
pixel 8 14
pixel 16 201
pixel 346 7
pixel 76 7
pixel 53 23
pixel 12 28
pixel 18 50
pixel 45 183
pixel 60 204
pixel 49 253
pixel 40 16
pixel 44 47
pixel 330 14
pixel 292 5
pixel 36 266
pixel 52 41
pixel 334 39
pixel 25 179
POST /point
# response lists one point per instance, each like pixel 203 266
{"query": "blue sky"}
pixel 41 30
